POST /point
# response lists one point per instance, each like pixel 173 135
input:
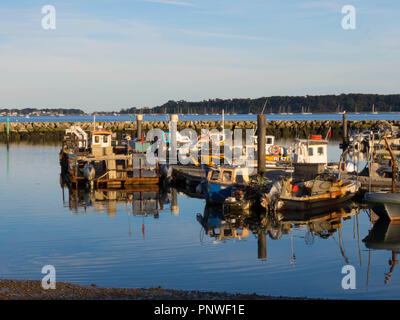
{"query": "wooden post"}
pixel 139 119
pixel 8 132
pixel 173 127
pixel 345 132
pixel 262 245
pixel 261 131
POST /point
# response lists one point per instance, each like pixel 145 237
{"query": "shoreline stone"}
pixel 32 290
pixel 54 131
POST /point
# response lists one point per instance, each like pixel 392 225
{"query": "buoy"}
pixel 275 150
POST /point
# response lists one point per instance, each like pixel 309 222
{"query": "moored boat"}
pixel 385 205
pixel 222 181
pixel 309 195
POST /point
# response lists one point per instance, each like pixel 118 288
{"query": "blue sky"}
pixel 112 54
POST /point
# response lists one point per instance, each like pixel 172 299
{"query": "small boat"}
pixel 385 205
pixel 222 182
pixel 309 195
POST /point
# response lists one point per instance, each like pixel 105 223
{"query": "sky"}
pixel 105 55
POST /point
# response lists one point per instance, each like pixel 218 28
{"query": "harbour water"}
pixel 112 244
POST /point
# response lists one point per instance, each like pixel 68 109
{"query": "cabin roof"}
pixel 102 132
pixel 311 141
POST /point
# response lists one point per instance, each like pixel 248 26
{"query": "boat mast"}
pixel 394 166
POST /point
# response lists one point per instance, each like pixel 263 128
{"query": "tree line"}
pixel 280 104
pixel 27 111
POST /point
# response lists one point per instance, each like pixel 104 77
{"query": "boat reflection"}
pixel 143 200
pixel 222 225
pixel 385 235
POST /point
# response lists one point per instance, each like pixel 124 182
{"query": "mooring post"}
pixel 345 131
pixel 173 128
pixel 139 119
pixel 174 204
pixel 261 131
pixel 262 245
pixel 8 131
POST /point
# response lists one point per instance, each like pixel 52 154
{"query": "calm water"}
pixel 112 244
pixel 212 117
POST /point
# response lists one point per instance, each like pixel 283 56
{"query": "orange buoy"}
pixel 275 150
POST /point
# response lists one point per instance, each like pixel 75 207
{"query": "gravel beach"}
pixel 32 290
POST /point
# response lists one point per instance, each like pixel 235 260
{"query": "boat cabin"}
pixel 228 176
pixel 313 150
pixel 101 143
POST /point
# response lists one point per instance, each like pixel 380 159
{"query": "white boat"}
pixel 385 205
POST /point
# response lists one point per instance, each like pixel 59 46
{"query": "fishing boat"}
pixel 321 192
pixel 273 152
pixel 221 182
pixel 98 159
pixel 387 205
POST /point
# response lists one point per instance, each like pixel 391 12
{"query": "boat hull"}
pixel 218 193
pixel 385 205
pixel 326 200
pixel 306 205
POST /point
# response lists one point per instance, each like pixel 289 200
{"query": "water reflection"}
pixel 263 233
pixel 221 224
pixel 385 235
pixel 143 200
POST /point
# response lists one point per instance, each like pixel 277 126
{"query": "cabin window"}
pixel 320 151
pixel 227 176
pixel 269 140
pixel 310 151
pixel 215 175
pixel 105 139
pixel 96 139
pixel 239 178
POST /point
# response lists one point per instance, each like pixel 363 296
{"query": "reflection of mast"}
pixel 143 227
pixel 341 246
pixel 8 159
pixel 292 257
pixel 358 240
pixel 262 245
pixel 392 264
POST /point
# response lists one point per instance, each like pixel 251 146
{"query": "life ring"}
pixel 275 150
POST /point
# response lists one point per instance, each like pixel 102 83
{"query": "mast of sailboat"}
pixel 223 123
pixel 265 104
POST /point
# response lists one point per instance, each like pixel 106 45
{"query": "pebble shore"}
pixel 32 290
